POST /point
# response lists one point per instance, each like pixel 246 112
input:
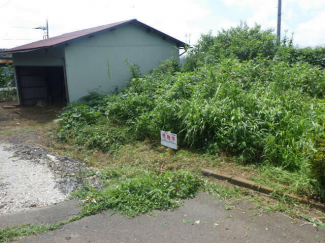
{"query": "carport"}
pixel 40 75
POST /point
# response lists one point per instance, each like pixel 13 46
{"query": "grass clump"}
pixel 285 182
pixel 141 194
pixel 9 233
pixel 317 166
pixel 84 124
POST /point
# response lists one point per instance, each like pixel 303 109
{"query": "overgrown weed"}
pixel 142 193
pixel 260 111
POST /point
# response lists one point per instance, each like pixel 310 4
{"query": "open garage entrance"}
pixel 40 84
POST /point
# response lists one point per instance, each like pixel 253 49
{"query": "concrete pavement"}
pixel 48 215
pixel 202 219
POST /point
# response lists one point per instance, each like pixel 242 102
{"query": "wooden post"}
pixel 170 150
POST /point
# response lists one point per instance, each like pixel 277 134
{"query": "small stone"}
pixel 51 157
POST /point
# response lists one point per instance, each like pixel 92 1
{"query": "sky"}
pixel 185 20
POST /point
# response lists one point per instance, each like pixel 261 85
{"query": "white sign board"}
pixel 168 139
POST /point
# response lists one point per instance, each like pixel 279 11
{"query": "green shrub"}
pixel 134 69
pixel 74 117
pixel 105 137
pixel 170 65
pixel 95 99
pixel 241 42
pixel 314 56
pixel 6 75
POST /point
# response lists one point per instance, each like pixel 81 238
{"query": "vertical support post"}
pixel 47 28
pixel 279 20
pixel 18 86
pixel 65 81
pixel 170 151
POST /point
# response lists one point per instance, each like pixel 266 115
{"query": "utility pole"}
pixel 45 29
pixel 279 20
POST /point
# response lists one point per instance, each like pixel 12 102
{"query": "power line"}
pixel 17 27
pixel 44 28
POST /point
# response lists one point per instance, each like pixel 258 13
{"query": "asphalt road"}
pixel 202 219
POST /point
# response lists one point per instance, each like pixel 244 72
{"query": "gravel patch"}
pixel 32 177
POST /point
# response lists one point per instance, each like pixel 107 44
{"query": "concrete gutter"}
pixel 238 181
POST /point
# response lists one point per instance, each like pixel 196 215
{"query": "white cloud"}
pixel 226 24
pixel 176 18
pixel 311 33
pixel 241 3
pixel 253 4
pixel 266 6
pixel 308 33
pixel 308 4
pixel 264 13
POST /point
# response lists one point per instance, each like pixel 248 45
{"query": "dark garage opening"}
pixel 37 84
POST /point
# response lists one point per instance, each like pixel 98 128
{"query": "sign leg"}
pixel 170 151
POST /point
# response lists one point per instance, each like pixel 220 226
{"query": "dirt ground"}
pixel 25 124
pixel 31 124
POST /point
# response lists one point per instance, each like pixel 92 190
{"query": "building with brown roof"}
pixel 67 67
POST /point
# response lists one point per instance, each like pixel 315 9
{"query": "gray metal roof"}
pixel 61 39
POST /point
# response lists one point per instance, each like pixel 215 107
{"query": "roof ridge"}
pixel 64 38
pixel 101 26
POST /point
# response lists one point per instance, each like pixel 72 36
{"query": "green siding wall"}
pixel 52 56
pixel 97 63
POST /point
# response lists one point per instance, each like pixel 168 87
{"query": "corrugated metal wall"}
pixel 98 62
pixel 40 84
pixel 52 56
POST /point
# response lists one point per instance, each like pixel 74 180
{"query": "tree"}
pixel 241 42
pixel 6 75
